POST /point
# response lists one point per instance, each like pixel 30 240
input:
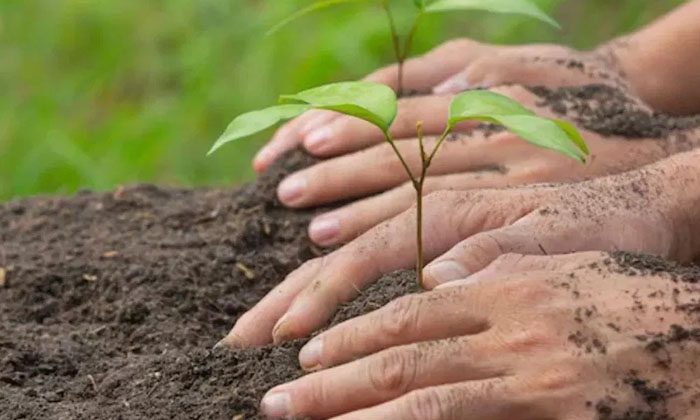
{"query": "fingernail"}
pixel 324 230
pixel 453 85
pixel 310 354
pixel 276 404
pixel 262 159
pixel 292 189
pixel 221 344
pixel 231 341
pixel 445 271
pixel 317 138
pixel 279 335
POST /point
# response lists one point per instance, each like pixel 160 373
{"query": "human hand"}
pixel 572 337
pixel 648 210
pixel 452 67
pixel 621 132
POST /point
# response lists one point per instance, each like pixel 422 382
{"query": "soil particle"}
pixel 636 264
pixel 654 397
pixel 609 110
pixel 113 300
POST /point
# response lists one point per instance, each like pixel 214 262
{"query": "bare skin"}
pixel 560 337
pixel 357 151
pixel 649 210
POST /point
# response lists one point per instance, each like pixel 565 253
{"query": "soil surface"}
pixel 109 303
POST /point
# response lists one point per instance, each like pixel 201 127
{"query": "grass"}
pixel 94 94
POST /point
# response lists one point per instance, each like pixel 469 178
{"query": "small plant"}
pixel 377 104
pixel 401 50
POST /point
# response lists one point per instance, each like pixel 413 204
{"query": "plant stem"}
pixel 395 43
pixel 420 262
pixel 442 138
pixel 390 140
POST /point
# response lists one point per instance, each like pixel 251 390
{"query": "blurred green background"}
pixel 96 93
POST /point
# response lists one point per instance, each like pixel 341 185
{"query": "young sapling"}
pixel 377 104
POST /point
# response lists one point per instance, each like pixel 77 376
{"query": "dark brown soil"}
pixel 608 110
pixel 110 302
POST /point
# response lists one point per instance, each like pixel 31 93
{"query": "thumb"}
pixel 477 252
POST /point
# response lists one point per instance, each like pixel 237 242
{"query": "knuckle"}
pixel 426 404
pixel 484 247
pixel 558 378
pixel 316 393
pixel 508 260
pixel 536 336
pixel 401 316
pixel 394 370
pixel 530 291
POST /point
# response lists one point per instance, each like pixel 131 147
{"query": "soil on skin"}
pixel 609 111
pixel 110 302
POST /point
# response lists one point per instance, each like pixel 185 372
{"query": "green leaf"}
pixel 372 102
pixel 573 134
pixel 491 107
pixel 253 122
pixel 420 4
pixel 305 11
pixel 520 7
pixel 484 102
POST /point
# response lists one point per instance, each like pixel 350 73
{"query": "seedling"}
pixel 401 50
pixel 377 104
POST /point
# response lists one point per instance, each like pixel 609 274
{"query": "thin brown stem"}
pixel 391 142
pixel 420 259
pixel 442 138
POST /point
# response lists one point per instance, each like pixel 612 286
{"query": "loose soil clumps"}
pixel 110 302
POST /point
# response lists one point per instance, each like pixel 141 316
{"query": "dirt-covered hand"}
pixel 572 337
pixel 648 210
pixel 454 66
pixel 622 134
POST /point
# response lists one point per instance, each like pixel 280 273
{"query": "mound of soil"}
pixel 109 303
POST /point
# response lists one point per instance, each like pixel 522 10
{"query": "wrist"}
pixel 632 59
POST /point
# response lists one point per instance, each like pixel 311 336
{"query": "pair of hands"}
pixel 359 163
pixel 469 228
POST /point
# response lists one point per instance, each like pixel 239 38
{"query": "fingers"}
pixel 378 168
pixel 478 251
pixel 508 264
pixel 389 247
pixel 385 376
pixel 492 399
pixel 410 319
pixel 347 134
pixel 289 136
pixel 254 328
pixel 517 68
pixel 352 220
